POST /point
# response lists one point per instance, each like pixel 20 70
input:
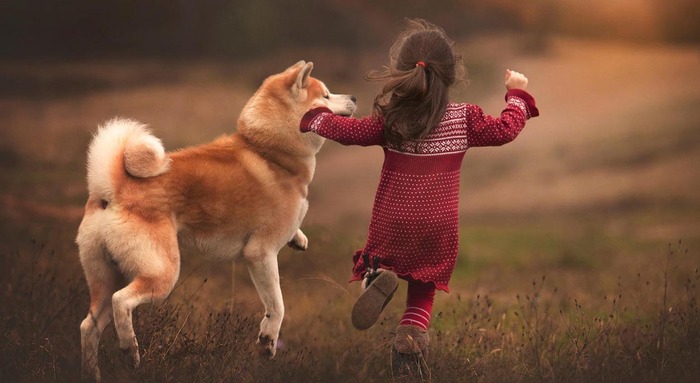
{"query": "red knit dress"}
pixel 415 218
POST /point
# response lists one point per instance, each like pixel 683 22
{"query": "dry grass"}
pixel 630 335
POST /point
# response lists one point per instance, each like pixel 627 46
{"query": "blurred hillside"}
pixel 240 28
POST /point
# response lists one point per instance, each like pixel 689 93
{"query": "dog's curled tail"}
pixel 125 144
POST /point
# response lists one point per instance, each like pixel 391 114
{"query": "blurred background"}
pixel 590 194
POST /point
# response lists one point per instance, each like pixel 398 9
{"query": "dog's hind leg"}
pixel 141 290
pixel 103 279
pixel 264 271
pixel 149 286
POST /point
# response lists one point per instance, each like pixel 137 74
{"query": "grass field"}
pixel 579 242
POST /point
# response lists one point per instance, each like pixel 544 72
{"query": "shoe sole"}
pixel 370 304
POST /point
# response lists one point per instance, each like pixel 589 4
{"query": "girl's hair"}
pixel 422 67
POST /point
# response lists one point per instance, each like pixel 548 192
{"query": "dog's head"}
pixel 273 114
pixel 315 93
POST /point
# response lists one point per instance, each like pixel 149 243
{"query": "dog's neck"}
pixel 296 163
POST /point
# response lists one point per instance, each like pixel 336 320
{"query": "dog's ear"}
pixel 302 80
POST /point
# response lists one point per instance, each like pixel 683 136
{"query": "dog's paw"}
pixel 90 376
pixel 131 357
pixel 299 242
pixel 266 346
pixel 296 246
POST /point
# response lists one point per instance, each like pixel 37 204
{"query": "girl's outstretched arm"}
pixel 484 130
pixel 345 130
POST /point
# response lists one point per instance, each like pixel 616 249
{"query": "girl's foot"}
pixel 410 352
pixel 370 304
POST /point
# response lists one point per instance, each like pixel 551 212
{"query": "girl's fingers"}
pixel 515 79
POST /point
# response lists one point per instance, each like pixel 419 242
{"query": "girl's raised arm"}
pixel 345 130
pixel 485 130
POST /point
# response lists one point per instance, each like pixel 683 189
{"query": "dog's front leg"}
pixel 299 241
pixel 263 268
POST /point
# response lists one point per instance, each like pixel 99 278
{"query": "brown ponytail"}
pixel 422 67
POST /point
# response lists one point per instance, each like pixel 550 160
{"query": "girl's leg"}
pixel 411 341
pixel 419 304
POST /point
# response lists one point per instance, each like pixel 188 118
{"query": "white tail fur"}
pixel 143 154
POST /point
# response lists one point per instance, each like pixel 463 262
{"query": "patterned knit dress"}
pixel 415 218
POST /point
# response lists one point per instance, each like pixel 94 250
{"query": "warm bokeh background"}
pixel 590 195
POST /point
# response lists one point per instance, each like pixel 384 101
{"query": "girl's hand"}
pixel 515 80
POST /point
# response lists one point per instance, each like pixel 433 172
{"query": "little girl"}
pixel 413 232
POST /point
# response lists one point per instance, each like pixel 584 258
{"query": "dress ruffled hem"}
pixel 405 276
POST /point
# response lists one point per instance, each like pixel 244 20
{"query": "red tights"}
pixel 419 304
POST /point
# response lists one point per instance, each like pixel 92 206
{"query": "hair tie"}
pixel 420 63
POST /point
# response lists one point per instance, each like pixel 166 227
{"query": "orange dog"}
pixel 240 196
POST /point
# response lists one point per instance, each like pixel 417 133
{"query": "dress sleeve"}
pixel 484 130
pixel 345 130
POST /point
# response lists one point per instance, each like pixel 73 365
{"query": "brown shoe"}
pixel 408 356
pixel 370 304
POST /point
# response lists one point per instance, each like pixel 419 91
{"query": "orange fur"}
pixel 239 196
